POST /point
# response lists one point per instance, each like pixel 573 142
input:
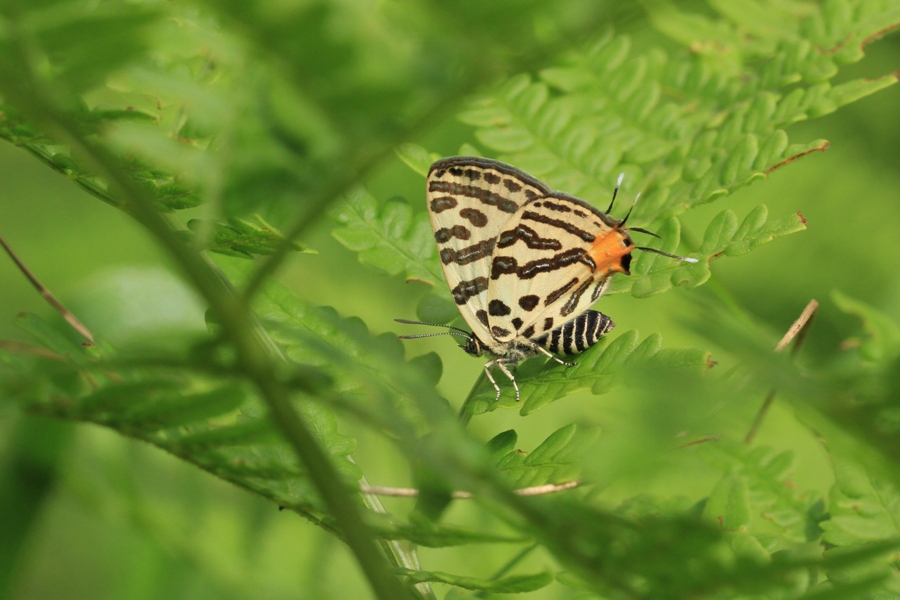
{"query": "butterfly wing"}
pixel 470 201
pixel 552 261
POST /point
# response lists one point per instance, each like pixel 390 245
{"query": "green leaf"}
pixel 729 504
pixel 654 274
pixel 73 43
pixel 502 444
pixel 542 382
pixel 53 338
pixel 180 410
pixel 440 535
pixel 416 157
pixel 430 366
pixel 556 460
pixel 881 343
pixel 512 584
pixel 241 238
pixel 776 506
pixel 864 515
pixel 437 308
pixel 390 238
pixel 862 509
pixel 609 117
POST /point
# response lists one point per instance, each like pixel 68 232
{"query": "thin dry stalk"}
pixel 797 331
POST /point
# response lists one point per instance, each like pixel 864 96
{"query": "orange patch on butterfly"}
pixel 607 251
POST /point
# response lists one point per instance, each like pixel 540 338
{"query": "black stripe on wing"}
pixel 577 335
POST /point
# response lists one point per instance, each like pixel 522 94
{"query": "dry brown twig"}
pixel 797 331
pixel 70 318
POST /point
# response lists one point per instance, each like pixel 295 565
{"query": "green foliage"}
pixel 241 238
pixel 596 370
pixel 769 505
pixel 515 584
pixel 555 460
pixel 206 123
pixel 390 238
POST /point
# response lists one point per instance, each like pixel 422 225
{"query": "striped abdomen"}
pixel 576 335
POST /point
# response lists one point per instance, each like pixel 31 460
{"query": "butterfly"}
pixel 524 263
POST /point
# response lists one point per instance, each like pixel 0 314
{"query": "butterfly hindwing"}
pixel 550 263
pixel 470 201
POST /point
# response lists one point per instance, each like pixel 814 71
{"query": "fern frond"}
pixel 596 370
pixel 775 506
pixel 556 460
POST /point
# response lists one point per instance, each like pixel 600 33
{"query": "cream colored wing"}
pixel 470 201
pixel 551 262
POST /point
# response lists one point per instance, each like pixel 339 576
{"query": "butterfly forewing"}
pixel 550 263
pixel 470 201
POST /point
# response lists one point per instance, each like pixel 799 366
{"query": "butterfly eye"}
pixel 473 346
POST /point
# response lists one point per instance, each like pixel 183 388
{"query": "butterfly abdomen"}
pixel 577 335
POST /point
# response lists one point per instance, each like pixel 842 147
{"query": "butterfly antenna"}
pixel 462 332
pixel 424 335
pixel 628 214
pixel 615 191
pixel 642 230
pixel 675 256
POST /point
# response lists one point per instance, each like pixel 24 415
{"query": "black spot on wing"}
pixel 443 203
pixel 445 234
pixel 492 178
pixel 464 256
pixel 529 302
pixel 558 293
pixel 558 261
pixel 517 323
pixel 502 265
pixel 482 316
pixel 572 302
pixel 556 207
pixel 474 216
pixel 559 224
pixel 548 323
pixel 499 332
pixel 469 289
pixel 529 236
pixel 483 195
pixel 505 265
pixel 528 333
pixel 511 185
pixel 497 308
pixel 494 166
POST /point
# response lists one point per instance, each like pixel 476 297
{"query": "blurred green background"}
pixel 126 521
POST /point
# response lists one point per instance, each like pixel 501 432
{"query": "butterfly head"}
pixel 612 249
pixel 473 345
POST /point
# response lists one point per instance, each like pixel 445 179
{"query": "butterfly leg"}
pixel 487 371
pixel 546 352
pixel 501 363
